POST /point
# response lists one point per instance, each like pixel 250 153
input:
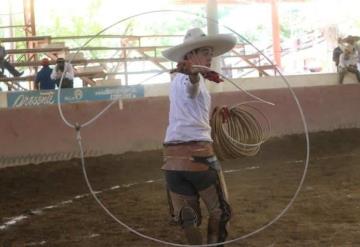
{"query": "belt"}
pixel 180 156
pixel 167 144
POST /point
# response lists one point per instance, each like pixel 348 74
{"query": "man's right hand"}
pixel 185 67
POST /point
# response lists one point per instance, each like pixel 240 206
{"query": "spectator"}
pixel 4 64
pixel 348 63
pixel 43 80
pixel 336 53
pixel 66 68
pixel 191 168
pixel 353 41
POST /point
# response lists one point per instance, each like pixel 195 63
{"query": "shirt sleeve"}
pixel 53 75
pixel 37 78
pixel 69 71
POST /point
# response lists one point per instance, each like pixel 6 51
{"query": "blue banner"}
pixel 72 95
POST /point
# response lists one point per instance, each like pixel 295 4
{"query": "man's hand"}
pixel 186 67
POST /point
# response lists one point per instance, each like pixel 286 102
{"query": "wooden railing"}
pixel 129 51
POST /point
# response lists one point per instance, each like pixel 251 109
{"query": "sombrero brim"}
pixel 221 43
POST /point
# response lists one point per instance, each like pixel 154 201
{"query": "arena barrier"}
pixel 38 134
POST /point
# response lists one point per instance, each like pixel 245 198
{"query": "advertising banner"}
pixel 72 95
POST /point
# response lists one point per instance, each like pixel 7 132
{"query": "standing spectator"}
pixel 66 68
pixel 43 80
pixel 348 63
pixel 191 168
pixel 336 53
pixel 4 64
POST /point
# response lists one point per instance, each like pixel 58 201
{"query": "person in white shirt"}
pixel 191 168
pixel 60 68
pixel 353 41
pixel 348 63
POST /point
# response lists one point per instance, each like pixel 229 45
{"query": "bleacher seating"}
pixel 129 51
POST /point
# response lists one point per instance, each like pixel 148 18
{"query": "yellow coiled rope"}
pixel 238 131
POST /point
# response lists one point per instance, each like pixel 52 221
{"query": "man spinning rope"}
pixel 191 168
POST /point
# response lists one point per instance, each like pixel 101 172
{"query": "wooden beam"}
pixel 98 60
pixel 20 39
pixel 35 50
pixel 32 77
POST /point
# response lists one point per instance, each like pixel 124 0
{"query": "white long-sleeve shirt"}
pixel 69 72
pixel 189 111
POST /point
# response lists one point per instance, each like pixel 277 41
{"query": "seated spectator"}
pixel 348 63
pixel 353 41
pixel 4 64
pixel 66 68
pixel 43 80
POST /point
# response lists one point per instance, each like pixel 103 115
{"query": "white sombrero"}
pixel 195 38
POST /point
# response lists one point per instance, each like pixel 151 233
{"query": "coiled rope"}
pixel 237 131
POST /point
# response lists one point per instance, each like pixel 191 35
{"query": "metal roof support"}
pixel 30 30
pixel 276 32
pixel 213 29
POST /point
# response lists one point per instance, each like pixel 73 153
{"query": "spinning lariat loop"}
pixel 226 116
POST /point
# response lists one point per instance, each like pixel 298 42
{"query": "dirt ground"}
pixel 50 205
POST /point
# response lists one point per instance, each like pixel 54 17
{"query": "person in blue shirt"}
pixel 43 80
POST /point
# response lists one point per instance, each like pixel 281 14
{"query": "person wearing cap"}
pixel 66 68
pixel 191 168
pixel 43 80
pixel 348 63
pixel 354 42
pixel 4 64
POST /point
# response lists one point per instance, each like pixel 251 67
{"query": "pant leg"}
pixel 219 212
pixel 11 68
pixel 356 72
pixel 341 75
pixel 184 205
pixel 358 75
pixel 67 83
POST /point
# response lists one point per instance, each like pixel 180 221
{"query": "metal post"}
pixel 276 32
pixel 30 31
pixel 213 29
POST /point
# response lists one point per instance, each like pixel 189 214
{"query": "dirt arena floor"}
pixel 50 205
